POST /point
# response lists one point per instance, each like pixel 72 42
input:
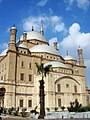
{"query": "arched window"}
pixel 21 103
pixel 29 103
pixel 75 89
pixel 76 71
pixel 22 64
pixel 59 102
pixel 58 88
pixel 24 52
pixel 30 77
pixel 29 65
pixel 22 76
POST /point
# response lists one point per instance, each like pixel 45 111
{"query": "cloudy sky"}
pixel 65 21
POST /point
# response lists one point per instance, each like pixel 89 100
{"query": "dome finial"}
pixel 13 25
pixel 32 28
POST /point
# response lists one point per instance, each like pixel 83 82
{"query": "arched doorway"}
pixel 2 94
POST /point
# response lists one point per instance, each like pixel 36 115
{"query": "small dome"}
pixel 34 35
pixel 22 46
pixel 13 28
pixel 56 64
pixel 68 57
pixel 4 52
pixel 44 48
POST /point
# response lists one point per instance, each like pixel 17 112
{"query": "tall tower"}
pixel 12 43
pixel 41 28
pixel 80 56
pixel 12 66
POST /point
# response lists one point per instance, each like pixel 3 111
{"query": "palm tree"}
pixel 43 70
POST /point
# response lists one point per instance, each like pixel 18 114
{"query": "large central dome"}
pixel 34 35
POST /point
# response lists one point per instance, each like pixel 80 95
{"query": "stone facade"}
pixel 19 81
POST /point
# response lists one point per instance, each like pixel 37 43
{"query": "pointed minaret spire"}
pixel 79 47
pixel 67 52
pixel 80 56
pixel 32 28
pixel 41 28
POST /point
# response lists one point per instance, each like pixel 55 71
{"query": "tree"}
pixel 75 106
pixel 43 70
pixel 62 107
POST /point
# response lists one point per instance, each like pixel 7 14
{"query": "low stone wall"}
pixel 58 115
pixel 53 116
pixel 44 119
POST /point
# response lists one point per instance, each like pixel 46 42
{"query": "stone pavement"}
pixel 28 118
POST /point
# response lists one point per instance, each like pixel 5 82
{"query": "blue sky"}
pixel 65 21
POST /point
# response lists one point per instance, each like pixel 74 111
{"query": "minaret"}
pixel 12 64
pixel 80 56
pixel 12 43
pixel 24 36
pixel 67 52
pixel 55 45
pixel 41 28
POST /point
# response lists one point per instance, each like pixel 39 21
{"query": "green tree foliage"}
pixel 43 70
pixel 35 110
pixel 75 107
pixel 62 107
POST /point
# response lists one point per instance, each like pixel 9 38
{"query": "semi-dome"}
pixel 56 64
pixel 68 57
pixel 44 49
pixel 34 35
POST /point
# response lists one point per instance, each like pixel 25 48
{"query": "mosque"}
pixel 19 81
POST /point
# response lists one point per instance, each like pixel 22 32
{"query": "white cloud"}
pixel 42 3
pixel 83 4
pixel 50 11
pixel 52 40
pixel 69 2
pixel 3 46
pixel 34 21
pixel 75 39
pixel 87 62
pixel 53 22
pixel 60 27
pixel 55 19
pixel 57 23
